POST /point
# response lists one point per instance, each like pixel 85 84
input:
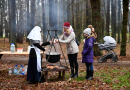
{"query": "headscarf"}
pixel 71 30
pixel 35 33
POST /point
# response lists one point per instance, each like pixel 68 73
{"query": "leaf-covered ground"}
pixel 107 76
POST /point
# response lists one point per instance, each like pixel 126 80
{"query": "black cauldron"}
pixel 53 58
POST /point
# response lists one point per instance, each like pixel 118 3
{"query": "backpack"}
pixel 77 42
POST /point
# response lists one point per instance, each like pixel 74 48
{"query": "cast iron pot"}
pixel 53 58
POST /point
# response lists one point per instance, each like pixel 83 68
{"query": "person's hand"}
pixel 53 39
pixel 83 40
pixel 51 42
pixel 56 41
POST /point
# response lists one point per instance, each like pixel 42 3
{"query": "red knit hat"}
pixel 66 25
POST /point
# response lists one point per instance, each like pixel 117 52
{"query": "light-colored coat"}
pixel 70 42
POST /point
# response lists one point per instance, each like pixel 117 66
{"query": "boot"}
pixel 32 82
pixel 87 74
pixel 91 75
pixel 76 73
pixel 41 79
pixel 72 73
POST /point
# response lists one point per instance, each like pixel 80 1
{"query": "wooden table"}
pixel 56 70
pixel 16 53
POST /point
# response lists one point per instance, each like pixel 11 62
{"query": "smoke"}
pixel 54 14
pixel 54 18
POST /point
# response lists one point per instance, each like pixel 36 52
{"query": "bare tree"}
pixel 78 30
pixel 44 21
pixel 97 23
pixel 129 21
pixel 113 18
pixel 2 6
pixel 32 14
pixel 72 12
pixel 119 20
pixel 12 35
pixel 108 18
pixel 28 19
pixel 124 28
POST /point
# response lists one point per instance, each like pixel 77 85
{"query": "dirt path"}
pixel 24 60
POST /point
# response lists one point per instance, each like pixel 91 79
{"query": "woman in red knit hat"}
pixel 68 38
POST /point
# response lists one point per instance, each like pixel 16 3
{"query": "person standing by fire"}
pixel 68 38
pixel 34 63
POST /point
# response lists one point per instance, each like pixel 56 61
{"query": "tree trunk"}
pixel 9 11
pixel 44 21
pixel 78 30
pixel 28 27
pixel 32 14
pixel 13 23
pixel 97 23
pixel 20 31
pixel 68 11
pixel 1 19
pixel 72 13
pixel 88 13
pixel 113 18
pixel 119 20
pixel 129 26
pixel 1 25
pixel 6 29
pixel 103 17
pixel 108 18
pixel 55 13
pixel 124 28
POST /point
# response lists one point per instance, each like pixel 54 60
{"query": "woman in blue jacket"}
pixel 87 53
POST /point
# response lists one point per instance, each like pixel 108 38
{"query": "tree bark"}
pixel 2 25
pixel 20 31
pixel 13 24
pixel 32 14
pixel 108 18
pixel 129 26
pixel 68 11
pixel 28 26
pixel 78 30
pixel 72 13
pixel 88 13
pixel 113 18
pixel 124 28
pixel 44 22
pixel 119 20
pixel 97 23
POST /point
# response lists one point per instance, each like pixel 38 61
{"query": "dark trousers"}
pixel 73 62
pixel 32 73
pixel 89 66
